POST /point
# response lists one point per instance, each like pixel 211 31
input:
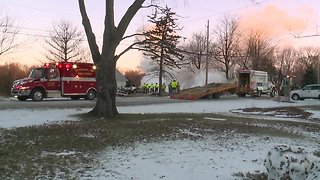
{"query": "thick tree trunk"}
pixel 107 87
pixel 106 62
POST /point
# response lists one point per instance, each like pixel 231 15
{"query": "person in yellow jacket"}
pixel 146 87
pixel 156 87
pixel 174 86
pixel 163 87
pixel 151 87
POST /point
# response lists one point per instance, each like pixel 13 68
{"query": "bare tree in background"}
pixel 9 73
pixel 309 57
pixel 258 50
pixel 65 43
pixel 8 33
pixel 195 51
pixel 227 45
pixel 287 59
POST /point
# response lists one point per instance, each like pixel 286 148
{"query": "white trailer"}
pixel 254 83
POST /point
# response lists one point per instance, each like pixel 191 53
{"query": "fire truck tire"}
pixel 37 95
pixel 91 95
pixel 22 98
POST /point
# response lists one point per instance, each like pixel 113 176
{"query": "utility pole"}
pixel 207 57
pixel 318 71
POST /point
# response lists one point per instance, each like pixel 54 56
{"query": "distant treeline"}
pixel 10 72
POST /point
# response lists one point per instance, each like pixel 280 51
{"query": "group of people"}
pixel 173 87
pixel 151 88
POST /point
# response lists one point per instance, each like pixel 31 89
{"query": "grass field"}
pixel 56 150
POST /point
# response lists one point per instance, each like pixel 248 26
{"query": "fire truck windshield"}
pixel 38 73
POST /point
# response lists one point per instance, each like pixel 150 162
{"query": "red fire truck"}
pixel 64 79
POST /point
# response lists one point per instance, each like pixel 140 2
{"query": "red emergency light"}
pixel 68 66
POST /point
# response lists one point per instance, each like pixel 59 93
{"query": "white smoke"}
pixel 186 77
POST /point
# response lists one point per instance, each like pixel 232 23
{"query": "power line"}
pixel 37 9
pixel 223 13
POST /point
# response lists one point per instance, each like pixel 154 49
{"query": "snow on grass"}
pixel 212 106
pixel 206 159
pixel 10 118
pixel 213 157
pixel 215 119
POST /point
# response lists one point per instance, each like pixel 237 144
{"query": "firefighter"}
pixel 174 85
pixel 151 88
pixel 163 87
pixel 156 87
pixel 146 87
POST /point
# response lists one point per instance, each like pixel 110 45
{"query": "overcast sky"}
pixel 281 18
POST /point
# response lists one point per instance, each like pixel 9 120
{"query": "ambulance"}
pixel 63 79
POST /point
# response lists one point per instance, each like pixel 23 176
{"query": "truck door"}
pixel 53 83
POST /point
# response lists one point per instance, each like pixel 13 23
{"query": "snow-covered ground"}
pixel 213 157
pixel 11 118
pixel 207 159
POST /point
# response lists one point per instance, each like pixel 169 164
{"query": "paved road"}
pixel 13 103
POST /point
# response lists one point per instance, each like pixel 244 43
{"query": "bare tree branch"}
pixel 65 43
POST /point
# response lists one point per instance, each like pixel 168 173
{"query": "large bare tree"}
pixel 65 43
pixel 106 59
pixel 227 44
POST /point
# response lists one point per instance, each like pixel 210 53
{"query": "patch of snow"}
pixel 28 117
pixel 211 106
pixel 64 153
pixel 215 119
pixel 205 159
pixel 189 133
pixel 11 118
pixel 285 161
pixel 315 114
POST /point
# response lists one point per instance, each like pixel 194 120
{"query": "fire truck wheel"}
pixel 22 98
pixel 91 95
pixel 37 95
